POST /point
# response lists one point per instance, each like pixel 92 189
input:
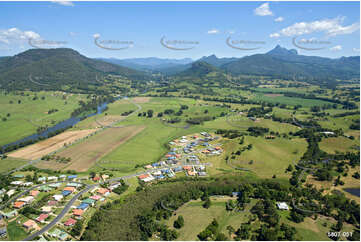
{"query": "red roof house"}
pixel 78 212
pixel 42 217
pixel 70 222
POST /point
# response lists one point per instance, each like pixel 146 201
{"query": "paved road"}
pixel 61 215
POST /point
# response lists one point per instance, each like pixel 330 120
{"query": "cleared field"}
pixel 25 113
pixel 197 218
pixel 10 163
pixel 85 154
pixel 52 144
pixel 288 100
pixel 270 157
pixel 332 144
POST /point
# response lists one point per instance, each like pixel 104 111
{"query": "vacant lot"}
pixel 10 163
pixel 85 154
pixel 52 144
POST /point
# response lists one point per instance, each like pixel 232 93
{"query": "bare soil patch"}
pixel 85 154
pixel 52 144
pixel 273 95
pixel 141 99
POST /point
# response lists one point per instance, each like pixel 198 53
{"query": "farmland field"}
pixel 21 115
pixel 84 155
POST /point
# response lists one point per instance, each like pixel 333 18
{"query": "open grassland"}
pixel 291 101
pixel 10 163
pixel 341 144
pixel 84 155
pixel 38 150
pixel 270 157
pixel 197 218
pixel 23 119
pixel 15 232
pixel 108 117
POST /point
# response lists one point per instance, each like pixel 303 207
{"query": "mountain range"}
pixel 42 67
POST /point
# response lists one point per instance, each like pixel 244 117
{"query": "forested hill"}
pixel 57 67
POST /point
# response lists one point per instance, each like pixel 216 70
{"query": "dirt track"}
pixel 85 154
pixel 45 147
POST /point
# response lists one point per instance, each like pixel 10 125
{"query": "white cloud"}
pixel 17 36
pixel 64 3
pixel 96 35
pixel 213 31
pixel 72 34
pixel 263 10
pixel 336 48
pixel 274 35
pixel 356 50
pixel 330 27
pixel 231 32
pixel 279 19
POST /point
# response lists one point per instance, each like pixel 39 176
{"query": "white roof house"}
pixel 282 206
pixel 46 209
pixel 52 178
pixel 157 173
pixel 10 192
pixel 40 179
pixel 183 141
pixel 148 179
pixel 16 183
pixel 28 184
pixel 26 199
pixel 58 197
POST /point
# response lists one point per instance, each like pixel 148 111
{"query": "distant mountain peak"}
pixel 278 50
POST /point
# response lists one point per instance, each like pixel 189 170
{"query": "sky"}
pixel 181 29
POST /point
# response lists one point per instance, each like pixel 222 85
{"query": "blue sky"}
pixel 329 29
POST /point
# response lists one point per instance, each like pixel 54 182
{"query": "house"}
pixel 46 209
pixel 27 199
pixel 31 224
pixel 148 167
pixel 19 176
pixel 52 203
pixel 34 193
pixel 191 173
pixel 70 189
pixel 236 194
pixel 65 193
pixel 202 173
pixel 42 179
pixel 9 214
pixel 148 179
pixel 58 234
pixel 58 197
pixel 55 185
pixel 78 212
pixel 28 184
pixel 157 173
pixel 45 188
pixel 70 222
pixel 3 232
pixel 104 177
pixel 177 169
pixel 10 192
pixel 62 177
pixel 270 137
pixel 282 206
pixel 95 197
pixel 73 184
pixel 89 201
pixel 52 178
pixel 16 183
pixel 187 168
pixel 114 185
pixel 96 178
pixel 42 217
pixel 143 176
pixel 72 177
pixel 19 204
pixel 103 192
pixel 83 206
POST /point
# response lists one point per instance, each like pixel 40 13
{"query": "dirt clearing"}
pixel 52 144
pixel 141 99
pixel 85 154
